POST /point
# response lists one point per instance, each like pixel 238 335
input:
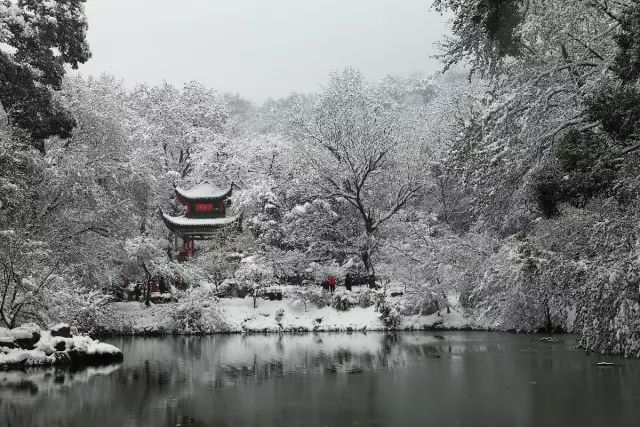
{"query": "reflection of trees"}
pixel 49 379
pixel 185 380
pixel 22 391
pixel 233 360
pixel 172 370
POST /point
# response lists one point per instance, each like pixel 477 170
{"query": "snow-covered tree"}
pixel 358 152
pixel 38 39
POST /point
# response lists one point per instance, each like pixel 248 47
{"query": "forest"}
pixel 509 180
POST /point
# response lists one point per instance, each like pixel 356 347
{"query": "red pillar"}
pixel 188 246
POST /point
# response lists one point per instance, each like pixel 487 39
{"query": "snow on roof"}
pixel 204 190
pixel 198 222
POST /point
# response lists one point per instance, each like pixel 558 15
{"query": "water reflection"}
pixel 331 379
pixel 49 379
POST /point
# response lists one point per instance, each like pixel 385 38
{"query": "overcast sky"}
pixel 259 48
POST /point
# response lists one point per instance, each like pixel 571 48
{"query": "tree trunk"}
pixel 365 255
pixel 548 322
pixel 147 297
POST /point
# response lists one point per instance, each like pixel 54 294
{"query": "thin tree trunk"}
pixel 147 297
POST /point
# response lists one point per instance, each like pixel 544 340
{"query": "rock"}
pixel 81 350
pixel 549 340
pixel 30 327
pixel 24 339
pixel 19 333
pixel 431 308
pixel 61 330
pixel 7 342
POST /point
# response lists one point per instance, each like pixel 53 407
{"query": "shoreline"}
pixel 237 316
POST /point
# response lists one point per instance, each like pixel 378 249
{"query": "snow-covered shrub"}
pixel 197 312
pixel 231 288
pixel 420 299
pixel 188 316
pixel 88 312
pixel 312 295
pixel 185 273
pixel 364 296
pixel 389 313
pixel 343 301
pixel 610 317
pixel 527 288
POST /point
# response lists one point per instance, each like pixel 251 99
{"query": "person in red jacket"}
pixel 331 282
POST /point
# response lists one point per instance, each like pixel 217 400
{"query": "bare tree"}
pixel 25 272
pixel 359 154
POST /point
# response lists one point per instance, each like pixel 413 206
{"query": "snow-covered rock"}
pixel 20 348
pixel 61 330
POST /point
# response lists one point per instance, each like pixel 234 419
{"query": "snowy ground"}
pixel 238 315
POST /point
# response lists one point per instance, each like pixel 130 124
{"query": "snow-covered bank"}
pixel 28 345
pixel 237 315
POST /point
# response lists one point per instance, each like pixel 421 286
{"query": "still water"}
pixel 332 379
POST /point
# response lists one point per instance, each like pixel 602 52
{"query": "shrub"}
pixel 342 301
pixel 232 289
pixel 365 297
pixel 89 312
pixel 197 312
pixel 305 295
pixel 389 314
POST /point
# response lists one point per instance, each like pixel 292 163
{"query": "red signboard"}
pixel 204 207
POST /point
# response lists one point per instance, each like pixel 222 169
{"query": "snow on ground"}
pixel 242 317
pixel 238 315
pixel 155 318
pixel 455 319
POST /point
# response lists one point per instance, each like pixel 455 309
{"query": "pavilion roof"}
pixel 205 191
pixel 184 222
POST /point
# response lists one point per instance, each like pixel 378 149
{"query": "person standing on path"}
pixel 348 281
pixel 331 282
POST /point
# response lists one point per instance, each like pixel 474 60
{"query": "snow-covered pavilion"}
pixel 205 213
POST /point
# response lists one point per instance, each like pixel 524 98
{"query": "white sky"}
pixel 259 48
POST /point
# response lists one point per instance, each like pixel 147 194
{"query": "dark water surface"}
pixel 332 379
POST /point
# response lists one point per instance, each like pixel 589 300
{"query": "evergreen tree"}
pixel 38 39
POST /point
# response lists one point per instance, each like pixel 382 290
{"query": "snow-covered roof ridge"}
pixel 204 190
pixel 182 221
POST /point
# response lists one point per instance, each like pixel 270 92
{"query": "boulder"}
pixel 431 308
pixel 61 330
pixel 7 342
pixel 24 339
pixel 48 350
pixel 29 327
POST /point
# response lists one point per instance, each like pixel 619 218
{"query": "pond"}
pixel 332 379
